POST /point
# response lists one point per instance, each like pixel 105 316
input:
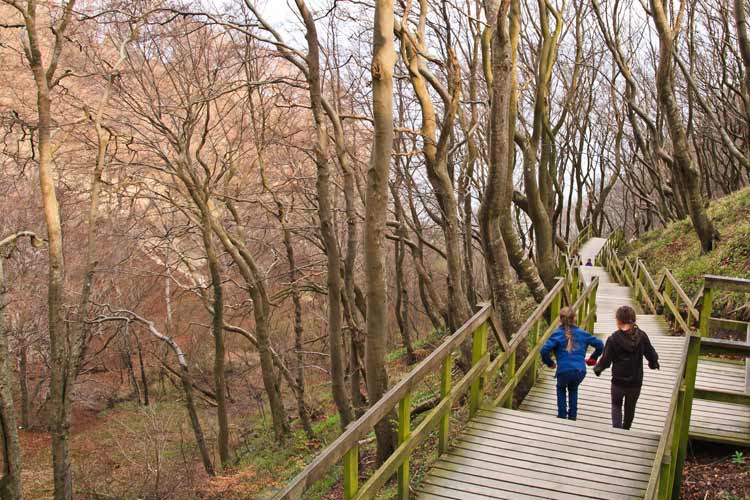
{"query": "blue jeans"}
pixel 567 389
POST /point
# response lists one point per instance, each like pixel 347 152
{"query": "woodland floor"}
pixel 129 451
pixel 712 472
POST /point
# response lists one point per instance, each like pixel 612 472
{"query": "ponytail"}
pixel 567 320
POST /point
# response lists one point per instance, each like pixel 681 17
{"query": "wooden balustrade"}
pixel 484 372
pixel 668 297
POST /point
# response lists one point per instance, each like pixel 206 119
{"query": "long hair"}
pixel 568 320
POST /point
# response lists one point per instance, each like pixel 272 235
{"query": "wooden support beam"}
pixel 691 370
pixel 445 420
pixel 381 476
pixel 706 307
pixel 404 430
pixel 727 283
pixel 478 350
pixel 721 346
pixel 351 472
pixel 738 398
pixel 728 324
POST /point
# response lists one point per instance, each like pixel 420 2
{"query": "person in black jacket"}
pixel 625 350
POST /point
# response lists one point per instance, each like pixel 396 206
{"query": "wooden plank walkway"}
pixel 529 453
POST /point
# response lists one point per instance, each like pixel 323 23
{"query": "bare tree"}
pixel 383 61
pixel 10 483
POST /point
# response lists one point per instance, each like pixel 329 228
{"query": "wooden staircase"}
pixel 530 453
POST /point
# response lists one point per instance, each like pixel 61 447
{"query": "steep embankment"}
pixel 711 471
pixel 676 248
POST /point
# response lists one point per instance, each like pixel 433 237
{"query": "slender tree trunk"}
pixel 499 273
pixel 261 310
pixel 299 386
pixel 187 387
pixel 683 164
pixel 60 387
pixel 144 378
pixel 10 484
pixel 325 214
pixel 402 294
pixel 217 329
pixel 23 382
pixel 383 61
pixel 740 18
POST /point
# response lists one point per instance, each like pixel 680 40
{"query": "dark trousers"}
pixel 567 393
pixel 628 396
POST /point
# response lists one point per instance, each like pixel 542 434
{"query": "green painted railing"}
pixel 666 297
pixel 485 372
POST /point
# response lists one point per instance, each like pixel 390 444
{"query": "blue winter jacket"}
pixel 575 359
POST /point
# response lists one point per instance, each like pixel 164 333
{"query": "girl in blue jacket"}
pixel 569 343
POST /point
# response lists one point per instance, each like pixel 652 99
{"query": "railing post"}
pixel 510 374
pixel 445 389
pixel 574 286
pixel 667 293
pixel 591 309
pixel 478 349
pixel 554 308
pixel 665 478
pixel 351 472
pixel 691 369
pixel 533 339
pixel 637 278
pixel 404 429
pixel 675 448
pixel 706 308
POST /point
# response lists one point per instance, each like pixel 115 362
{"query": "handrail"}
pixel 681 293
pixel 583 235
pixel 728 283
pixel 366 423
pixel 483 371
pixel 666 472
pixel 647 292
pixel 667 435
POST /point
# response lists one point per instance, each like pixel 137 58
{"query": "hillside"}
pixel 676 247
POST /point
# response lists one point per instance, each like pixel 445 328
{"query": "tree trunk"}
pixel 200 440
pixel 383 61
pixel 402 294
pixel 683 165
pixel 325 214
pixel 144 379
pixel 436 154
pixel 60 383
pixel 10 484
pixel 299 386
pixel 740 19
pixel 499 273
pixel 217 329
pixel 23 382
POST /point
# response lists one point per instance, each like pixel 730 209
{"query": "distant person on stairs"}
pixel 589 263
pixel 569 344
pixel 625 350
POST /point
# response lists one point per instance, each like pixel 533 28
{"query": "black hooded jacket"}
pixel 625 352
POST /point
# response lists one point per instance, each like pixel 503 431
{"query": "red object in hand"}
pixel 591 362
pixel 553 366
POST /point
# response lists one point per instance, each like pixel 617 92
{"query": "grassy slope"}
pixel 676 246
